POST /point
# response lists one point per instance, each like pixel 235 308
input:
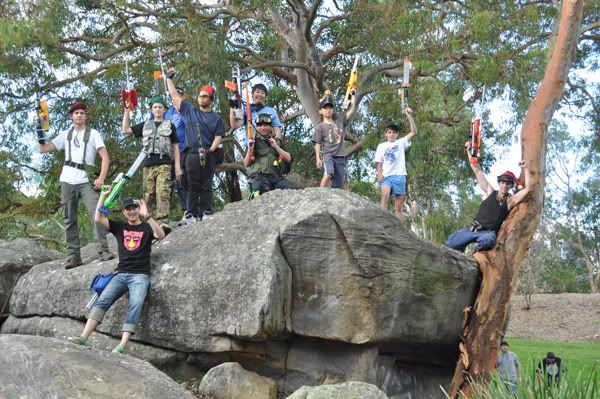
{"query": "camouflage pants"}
pixel 157 191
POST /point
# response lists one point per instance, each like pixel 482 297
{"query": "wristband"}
pixel 148 218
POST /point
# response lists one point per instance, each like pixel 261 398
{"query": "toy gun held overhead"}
pixel 475 130
pixel 161 75
pixel 128 93
pixel 235 85
pixel 119 183
pixel 42 121
pixel 405 82
pixel 351 86
pixel 250 126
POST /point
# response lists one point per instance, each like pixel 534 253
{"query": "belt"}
pixel 475 226
pixel 75 165
pixel 197 150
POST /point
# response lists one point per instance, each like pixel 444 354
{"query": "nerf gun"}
pixel 128 93
pixel 161 75
pixel 119 183
pixel 405 82
pixel 475 131
pixel 43 120
pixel 235 85
pixel 351 83
pixel 250 126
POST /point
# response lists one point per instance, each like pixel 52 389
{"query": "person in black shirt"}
pixel 134 241
pixel 492 211
pixel 159 138
pixel 550 366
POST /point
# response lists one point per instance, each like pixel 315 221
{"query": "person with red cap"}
pixel 204 130
pixel 81 144
pixel 492 211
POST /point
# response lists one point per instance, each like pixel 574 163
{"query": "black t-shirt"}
pixel 135 245
pixel 492 213
pixel 155 159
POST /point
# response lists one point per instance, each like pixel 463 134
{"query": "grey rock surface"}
pixel 39 367
pixel 347 390
pixel 264 277
pixel 16 258
pixel 231 381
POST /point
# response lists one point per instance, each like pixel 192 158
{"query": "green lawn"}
pixel 576 356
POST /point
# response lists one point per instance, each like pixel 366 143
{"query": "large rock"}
pixel 38 367
pixel 264 278
pixel 16 258
pixel 231 381
pixel 348 390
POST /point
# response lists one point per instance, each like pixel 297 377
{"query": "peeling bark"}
pixel 482 332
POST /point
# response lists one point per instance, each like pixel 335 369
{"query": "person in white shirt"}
pixel 80 144
pixel 391 165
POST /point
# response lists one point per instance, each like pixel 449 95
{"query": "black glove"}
pixel 233 102
pixel 170 74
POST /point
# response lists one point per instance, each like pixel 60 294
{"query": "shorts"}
pixel 397 183
pixel 336 167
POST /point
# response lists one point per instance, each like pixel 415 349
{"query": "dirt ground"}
pixel 558 317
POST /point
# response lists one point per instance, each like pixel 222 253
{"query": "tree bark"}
pixel 482 329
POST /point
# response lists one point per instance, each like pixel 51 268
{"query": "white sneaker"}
pixel 207 215
pixel 189 218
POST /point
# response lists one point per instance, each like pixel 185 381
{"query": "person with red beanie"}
pixel 81 144
pixel 493 211
pixel 204 130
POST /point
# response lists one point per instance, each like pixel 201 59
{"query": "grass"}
pixel 580 372
pixel 576 356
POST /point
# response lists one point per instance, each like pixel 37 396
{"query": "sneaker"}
pixel 73 262
pixel 166 228
pixel 77 339
pixel 118 349
pixel 207 215
pixel 189 218
pixel 106 255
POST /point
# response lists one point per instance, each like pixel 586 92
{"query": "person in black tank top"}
pixel 493 211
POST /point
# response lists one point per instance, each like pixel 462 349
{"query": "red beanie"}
pixel 209 89
pixel 77 106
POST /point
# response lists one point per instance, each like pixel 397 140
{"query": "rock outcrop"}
pixel 16 258
pixel 300 286
pixel 39 367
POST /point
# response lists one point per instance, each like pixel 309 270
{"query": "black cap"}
pixel 260 86
pixel 550 355
pixel 393 126
pixel 264 119
pixel 504 343
pixel 327 100
pixel 129 202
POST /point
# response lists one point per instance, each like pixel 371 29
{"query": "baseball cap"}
pixel 127 202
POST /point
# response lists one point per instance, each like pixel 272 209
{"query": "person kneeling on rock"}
pixel 267 159
pixel 134 241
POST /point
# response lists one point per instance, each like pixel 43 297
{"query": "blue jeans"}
pixel 137 284
pixel 486 239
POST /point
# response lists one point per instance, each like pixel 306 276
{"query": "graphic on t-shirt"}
pixel 132 239
pixel 552 369
pixel 334 135
pixel 390 153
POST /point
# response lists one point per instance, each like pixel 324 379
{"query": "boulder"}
pixel 347 390
pixel 231 381
pixel 39 367
pixel 16 258
pixel 301 270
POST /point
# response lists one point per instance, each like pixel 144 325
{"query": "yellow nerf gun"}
pixel 351 83
pixel 43 120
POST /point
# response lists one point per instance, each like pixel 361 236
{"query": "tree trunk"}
pixel 482 330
